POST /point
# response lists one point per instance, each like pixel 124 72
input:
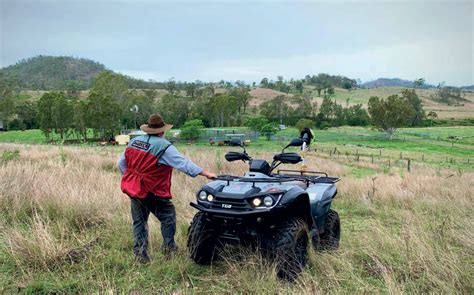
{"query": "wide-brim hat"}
pixel 155 125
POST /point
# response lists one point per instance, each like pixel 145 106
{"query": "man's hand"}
pixel 208 175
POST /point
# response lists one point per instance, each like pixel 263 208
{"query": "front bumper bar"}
pixel 230 212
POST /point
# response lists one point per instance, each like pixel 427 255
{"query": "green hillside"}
pixel 52 73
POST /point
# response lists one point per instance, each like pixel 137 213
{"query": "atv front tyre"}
pixel 290 248
pixel 329 239
pixel 202 240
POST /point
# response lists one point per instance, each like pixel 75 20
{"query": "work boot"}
pixel 169 251
pixel 142 259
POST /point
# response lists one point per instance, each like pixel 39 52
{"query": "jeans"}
pixel 164 210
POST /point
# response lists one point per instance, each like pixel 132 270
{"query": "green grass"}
pixel 411 234
pixel 432 144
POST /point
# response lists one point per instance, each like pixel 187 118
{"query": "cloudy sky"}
pixel 248 40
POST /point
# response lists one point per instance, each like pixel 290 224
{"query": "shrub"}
pixel 304 123
pixel 269 129
pixel 10 155
pixel 192 129
pixel 256 123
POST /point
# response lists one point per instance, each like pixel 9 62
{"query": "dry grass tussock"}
pixel 402 232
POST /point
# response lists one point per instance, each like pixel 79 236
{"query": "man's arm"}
pixel 172 157
pixel 122 163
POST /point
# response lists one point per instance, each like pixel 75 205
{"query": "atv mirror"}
pixel 234 156
pixel 295 142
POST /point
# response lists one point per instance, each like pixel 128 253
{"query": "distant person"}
pixel 147 166
pixel 307 135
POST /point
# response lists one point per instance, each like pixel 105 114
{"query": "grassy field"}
pixel 422 145
pixel 66 228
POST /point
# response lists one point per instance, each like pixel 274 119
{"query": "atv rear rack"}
pixel 308 178
pixel 279 178
pixel 275 178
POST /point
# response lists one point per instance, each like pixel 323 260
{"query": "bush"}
pixel 324 125
pixel 10 155
pixel 192 129
pixel 304 123
pixel 256 123
pixel 269 129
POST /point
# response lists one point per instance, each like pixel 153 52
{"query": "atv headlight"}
pixel 210 198
pixel 202 195
pixel 256 202
pixel 268 201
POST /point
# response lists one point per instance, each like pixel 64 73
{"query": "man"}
pixel 147 166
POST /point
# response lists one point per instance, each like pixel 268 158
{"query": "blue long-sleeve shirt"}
pixel 171 157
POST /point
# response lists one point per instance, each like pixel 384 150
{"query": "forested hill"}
pixel 387 82
pixel 52 73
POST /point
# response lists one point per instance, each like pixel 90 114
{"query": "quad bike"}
pixel 276 212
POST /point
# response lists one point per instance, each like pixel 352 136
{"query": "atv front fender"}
pixel 296 202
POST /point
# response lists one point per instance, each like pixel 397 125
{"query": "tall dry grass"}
pixel 401 232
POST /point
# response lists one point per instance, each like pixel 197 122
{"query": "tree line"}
pixel 112 105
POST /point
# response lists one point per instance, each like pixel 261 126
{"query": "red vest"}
pixel 143 174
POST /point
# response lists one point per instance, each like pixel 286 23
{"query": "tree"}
pixel 329 91
pixel 415 102
pixel 389 114
pixel 224 106
pixel 304 123
pixel 45 116
pixel 269 129
pixel 105 114
pixel 264 83
pixel 174 108
pixel 27 114
pixel 256 123
pixel 62 114
pixel 275 109
pixel 107 83
pixel 419 82
pixel 81 118
pixel 431 117
pixel 72 88
pixel 302 108
pixel 171 86
pixel 319 88
pixel 299 86
pixel 242 97
pixel 7 106
pixel 191 90
pixel 347 85
pixel 192 129
pixel 356 115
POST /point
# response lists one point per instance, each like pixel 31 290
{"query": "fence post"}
pixel 409 165
pixel 389 163
pixel 423 157
pixel 357 157
pixel 372 158
pixel 401 155
pixel 380 153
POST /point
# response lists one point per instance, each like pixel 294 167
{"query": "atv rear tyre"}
pixel 202 240
pixel 329 239
pixel 290 248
